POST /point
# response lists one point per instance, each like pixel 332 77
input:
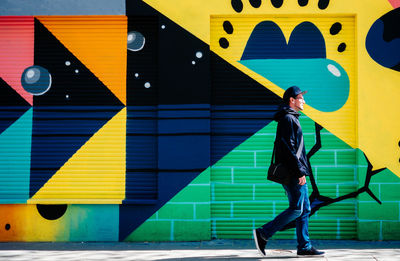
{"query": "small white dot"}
pixel 67 63
pixel 147 85
pixel 67 96
pixel 136 75
pixel 193 62
pixel 199 55
pixel 76 71
pixel 163 27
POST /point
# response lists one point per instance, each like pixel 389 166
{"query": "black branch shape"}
pixel 317 200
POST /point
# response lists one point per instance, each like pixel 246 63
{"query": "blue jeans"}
pixel 299 209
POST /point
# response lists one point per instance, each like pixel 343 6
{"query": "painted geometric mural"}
pixel 158 125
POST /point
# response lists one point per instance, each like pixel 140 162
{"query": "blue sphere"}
pixel 36 80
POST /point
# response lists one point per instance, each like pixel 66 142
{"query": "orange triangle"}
pixel 99 42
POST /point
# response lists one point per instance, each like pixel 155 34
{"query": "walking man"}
pixel 290 151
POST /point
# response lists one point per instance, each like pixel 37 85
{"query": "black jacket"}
pixel 287 141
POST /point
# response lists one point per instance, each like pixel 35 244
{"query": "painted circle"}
pixel 237 5
pixel 341 47
pixel 36 80
pixel 335 28
pixel 255 3
pixel 51 212
pixel 136 41
pixel 228 27
pixel 223 42
pixel 303 2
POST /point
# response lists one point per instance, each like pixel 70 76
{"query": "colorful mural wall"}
pixel 157 125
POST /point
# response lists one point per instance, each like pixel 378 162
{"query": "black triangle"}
pixel 9 97
pixel 168 61
pixel 69 87
pixel 12 106
pixel 232 87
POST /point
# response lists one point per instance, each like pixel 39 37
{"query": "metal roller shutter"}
pixel 241 197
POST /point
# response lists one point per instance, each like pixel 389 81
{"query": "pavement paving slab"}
pixel 238 250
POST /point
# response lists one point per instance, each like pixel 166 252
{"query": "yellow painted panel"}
pixel 376 123
pixel 99 42
pixel 95 173
pixel 341 122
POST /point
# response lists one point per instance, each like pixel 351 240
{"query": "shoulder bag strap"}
pixel 273 154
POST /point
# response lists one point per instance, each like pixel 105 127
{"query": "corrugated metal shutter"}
pixel 242 199
pixel 71 146
pixel 79 125
pixel 142 122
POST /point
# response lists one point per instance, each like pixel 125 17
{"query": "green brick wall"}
pixel 232 197
pixel 379 221
pixel 242 198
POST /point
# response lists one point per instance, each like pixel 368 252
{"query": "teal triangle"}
pixel 15 160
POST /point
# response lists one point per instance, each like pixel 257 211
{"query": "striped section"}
pixel 16 45
pixel 99 42
pixel 95 173
pixel 141 155
pixel 15 159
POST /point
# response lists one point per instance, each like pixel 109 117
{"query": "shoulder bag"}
pixel 279 173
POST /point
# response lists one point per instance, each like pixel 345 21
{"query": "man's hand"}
pixel 302 180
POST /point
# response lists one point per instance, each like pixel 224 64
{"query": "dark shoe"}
pixel 260 242
pixel 310 252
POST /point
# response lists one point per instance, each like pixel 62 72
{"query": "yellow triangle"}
pixel 95 173
pixel 99 42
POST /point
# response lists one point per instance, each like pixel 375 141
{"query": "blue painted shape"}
pixel 384 53
pixel 57 133
pixel 9 115
pixel 306 41
pixel 36 80
pixel 184 152
pixel 265 42
pixel 93 222
pixel 230 126
pixel 325 80
pixel 268 42
pixel 184 137
pixel 182 126
pixel 15 155
pixel 141 155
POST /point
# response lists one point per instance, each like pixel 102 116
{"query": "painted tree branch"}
pixel 317 200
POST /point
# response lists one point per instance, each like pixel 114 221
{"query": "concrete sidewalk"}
pixel 207 250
